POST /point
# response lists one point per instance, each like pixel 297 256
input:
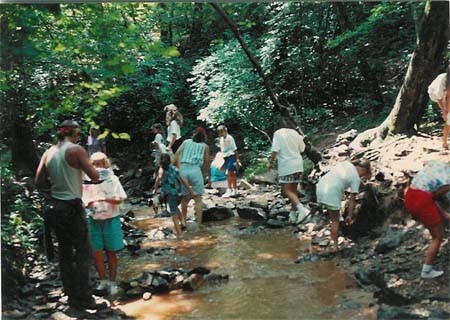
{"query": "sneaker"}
pixel 292 216
pixel 227 194
pixel 302 212
pixel 234 193
pixel 113 288
pixel 431 274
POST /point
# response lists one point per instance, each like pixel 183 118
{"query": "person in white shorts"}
pixel 287 144
pixel 330 189
pixel 439 91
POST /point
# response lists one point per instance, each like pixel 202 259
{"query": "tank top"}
pixel 193 153
pixel 66 181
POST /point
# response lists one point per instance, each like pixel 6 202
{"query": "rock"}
pixel 199 270
pixel 269 177
pixel 215 279
pixel 193 282
pixel 275 224
pixel 391 241
pixel 307 258
pixel 324 243
pixel 160 284
pixel 393 312
pixel 244 184
pixel 134 292
pixel 217 214
pixel 13 314
pixel 147 296
pixel 251 213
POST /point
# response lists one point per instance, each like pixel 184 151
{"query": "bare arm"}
pixel 273 157
pixel 351 208
pixel 41 177
pixel 176 160
pixel 78 158
pixel 174 138
pixel 441 191
pixel 207 162
pixel 156 185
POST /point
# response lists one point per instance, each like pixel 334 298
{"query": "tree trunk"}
pixel 423 67
pixel 283 110
pixel 366 71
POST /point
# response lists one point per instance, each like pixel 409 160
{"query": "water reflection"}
pixel 265 283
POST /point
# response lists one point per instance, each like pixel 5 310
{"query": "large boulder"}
pixel 251 213
pixel 217 214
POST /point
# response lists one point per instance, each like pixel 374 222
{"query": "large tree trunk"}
pixel 423 67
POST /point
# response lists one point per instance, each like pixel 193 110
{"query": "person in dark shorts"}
pixel 63 166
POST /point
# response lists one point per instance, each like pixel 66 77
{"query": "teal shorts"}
pixel 106 234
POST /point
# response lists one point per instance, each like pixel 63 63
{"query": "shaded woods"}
pixel 116 65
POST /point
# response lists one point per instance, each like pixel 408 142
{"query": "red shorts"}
pixel 421 205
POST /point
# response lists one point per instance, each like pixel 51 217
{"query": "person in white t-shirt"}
pixel 105 229
pixel 174 120
pixel 231 157
pixel 287 145
pixel 330 189
pixel 439 91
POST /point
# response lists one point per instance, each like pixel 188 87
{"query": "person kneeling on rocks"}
pixel 331 187
pixel 430 184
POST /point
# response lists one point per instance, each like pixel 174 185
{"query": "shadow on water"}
pixel 265 283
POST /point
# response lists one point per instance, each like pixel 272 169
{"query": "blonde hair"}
pixel 174 115
pixel 100 156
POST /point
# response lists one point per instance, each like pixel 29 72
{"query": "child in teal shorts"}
pixel 103 201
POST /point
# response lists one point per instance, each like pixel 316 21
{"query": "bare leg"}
pixel 290 191
pixel 112 264
pixel 433 249
pixel 445 136
pixel 183 213
pixel 99 265
pixel 198 209
pixel 334 216
pixel 232 177
pixel 176 223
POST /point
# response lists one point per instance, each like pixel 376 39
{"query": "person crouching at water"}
pixel 430 184
pixel 331 187
pixel 174 187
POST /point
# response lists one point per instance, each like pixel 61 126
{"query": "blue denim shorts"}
pixel 230 163
pixel 173 202
pixel 193 174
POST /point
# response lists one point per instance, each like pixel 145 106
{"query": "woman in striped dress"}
pixel 191 158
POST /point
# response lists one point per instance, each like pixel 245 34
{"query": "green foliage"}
pixel 257 166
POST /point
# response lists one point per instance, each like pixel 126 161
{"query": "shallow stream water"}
pixel 264 283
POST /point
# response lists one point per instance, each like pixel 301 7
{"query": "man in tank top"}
pixel 63 166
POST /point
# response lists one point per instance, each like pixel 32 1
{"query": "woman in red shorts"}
pixel 430 184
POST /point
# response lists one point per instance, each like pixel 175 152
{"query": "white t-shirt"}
pixel 173 129
pixel 227 145
pixel 331 186
pixel 288 144
pixel 159 138
pixel 436 90
pixel 109 188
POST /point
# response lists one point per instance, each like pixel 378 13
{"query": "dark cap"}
pixel 69 123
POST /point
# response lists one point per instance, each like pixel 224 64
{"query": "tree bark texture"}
pixel 423 67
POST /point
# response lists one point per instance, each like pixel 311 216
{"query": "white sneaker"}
pixel 234 193
pixel 113 288
pixel 103 285
pixel 227 194
pixel 431 274
pixel 292 216
pixel 303 212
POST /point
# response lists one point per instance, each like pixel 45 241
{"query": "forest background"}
pixel 116 65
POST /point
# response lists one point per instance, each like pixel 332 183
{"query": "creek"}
pixel 264 282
